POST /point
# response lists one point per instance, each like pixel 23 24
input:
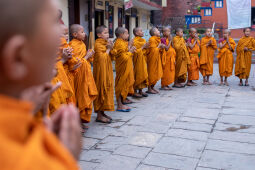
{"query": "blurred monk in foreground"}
pixel 29 41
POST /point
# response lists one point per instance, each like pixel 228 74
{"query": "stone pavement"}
pixel 195 128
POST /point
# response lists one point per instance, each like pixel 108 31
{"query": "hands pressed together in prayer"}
pixel 65 122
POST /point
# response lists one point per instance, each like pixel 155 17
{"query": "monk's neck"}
pixel 75 39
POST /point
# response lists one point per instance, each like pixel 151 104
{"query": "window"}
pixel 193 20
pixel 219 4
pixel 208 12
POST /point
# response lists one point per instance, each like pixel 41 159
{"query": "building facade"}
pixel 201 14
pixel 111 13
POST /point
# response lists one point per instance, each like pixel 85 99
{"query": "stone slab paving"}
pixel 194 128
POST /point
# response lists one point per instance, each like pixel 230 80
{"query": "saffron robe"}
pixel 168 65
pixel 140 64
pixel 124 80
pixel 182 59
pixel 84 84
pixel 243 59
pixel 154 63
pixel 103 75
pixel 193 69
pixel 64 94
pixel 226 59
pixel 207 56
pixel 25 143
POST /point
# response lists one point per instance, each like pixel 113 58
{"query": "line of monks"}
pixel 140 64
pixel 29 38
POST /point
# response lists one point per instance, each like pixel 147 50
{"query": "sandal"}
pixel 101 121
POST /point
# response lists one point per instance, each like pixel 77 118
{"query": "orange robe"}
pixel 193 69
pixel 84 84
pixel 207 55
pixel 25 144
pixel 64 94
pixel 103 75
pixel 124 80
pixel 182 59
pixel 140 65
pixel 243 59
pixel 168 66
pixel 155 70
pixel 226 59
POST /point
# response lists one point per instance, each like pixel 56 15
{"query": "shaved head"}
pixel 14 17
pixel 119 31
pixel 100 29
pixel 152 31
pixel 179 29
pixel 192 29
pixel 227 31
pixel 135 30
pixel 75 28
pixel 166 28
pixel 208 29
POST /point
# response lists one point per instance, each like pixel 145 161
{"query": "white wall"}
pixel 64 7
pixel 84 20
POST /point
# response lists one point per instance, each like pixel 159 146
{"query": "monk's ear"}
pixel 99 35
pixel 13 56
pixel 74 34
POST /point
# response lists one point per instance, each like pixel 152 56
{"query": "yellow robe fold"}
pixel 155 71
pixel 64 94
pixel 84 84
pixel 243 59
pixel 226 59
pixel 124 80
pixel 103 75
pixel 140 65
pixel 193 69
pixel 182 59
pixel 207 56
pixel 168 66
pixel 25 144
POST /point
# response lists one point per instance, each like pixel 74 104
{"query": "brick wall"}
pixel 176 10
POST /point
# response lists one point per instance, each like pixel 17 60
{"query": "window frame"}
pixel 205 11
pixel 215 3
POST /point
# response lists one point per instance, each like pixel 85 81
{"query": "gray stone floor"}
pixel 195 128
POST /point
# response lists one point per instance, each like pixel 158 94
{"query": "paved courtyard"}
pixel 194 128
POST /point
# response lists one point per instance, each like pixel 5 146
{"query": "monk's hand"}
pixel 40 95
pixel 132 49
pixel 246 49
pixel 65 123
pixel 109 44
pixel 76 66
pixel 90 54
pixel 146 45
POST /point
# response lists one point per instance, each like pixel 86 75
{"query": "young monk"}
pixel 182 59
pixel 64 94
pixel 208 47
pixel 84 84
pixel 169 63
pixel 155 71
pixel 226 60
pixel 27 49
pixel 194 49
pixel 140 65
pixel 124 80
pixel 244 50
pixel 103 75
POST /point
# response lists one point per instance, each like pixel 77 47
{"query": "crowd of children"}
pixel 140 64
pixel 28 41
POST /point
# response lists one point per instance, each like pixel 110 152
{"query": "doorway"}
pixel 127 18
pixel 253 16
pixel 99 19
